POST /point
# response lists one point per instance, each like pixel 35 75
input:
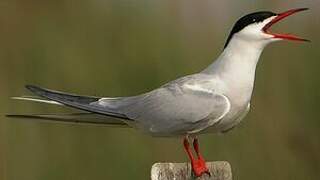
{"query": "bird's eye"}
pixel 254 20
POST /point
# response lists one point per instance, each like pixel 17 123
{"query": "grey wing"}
pixel 86 103
pixel 83 117
pixel 174 110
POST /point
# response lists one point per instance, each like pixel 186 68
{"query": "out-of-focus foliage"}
pixel 126 47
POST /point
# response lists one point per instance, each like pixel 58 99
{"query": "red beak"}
pixel 279 17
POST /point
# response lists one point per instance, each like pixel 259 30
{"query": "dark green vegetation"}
pixel 122 47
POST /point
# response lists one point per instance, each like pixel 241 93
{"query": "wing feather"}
pixel 174 110
pixel 86 103
pixel 87 118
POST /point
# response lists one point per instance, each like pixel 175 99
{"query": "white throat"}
pixel 237 64
pixel 239 56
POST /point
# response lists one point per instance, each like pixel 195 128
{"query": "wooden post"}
pixel 220 170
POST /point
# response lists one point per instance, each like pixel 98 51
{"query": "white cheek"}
pixel 254 32
pixel 251 32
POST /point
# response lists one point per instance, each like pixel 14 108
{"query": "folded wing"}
pixel 86 103
pixel 83 117
pixel 172 110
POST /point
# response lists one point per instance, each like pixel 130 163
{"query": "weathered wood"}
pixel 220 170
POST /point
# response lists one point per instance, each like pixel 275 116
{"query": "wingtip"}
pixel 10 115
pixel 34 89
pixel 13 115
pixel 31 87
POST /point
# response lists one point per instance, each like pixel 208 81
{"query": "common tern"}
pixel 211 101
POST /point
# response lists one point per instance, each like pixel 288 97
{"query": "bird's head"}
pixel 255 27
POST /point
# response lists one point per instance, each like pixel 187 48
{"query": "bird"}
pixel 214 100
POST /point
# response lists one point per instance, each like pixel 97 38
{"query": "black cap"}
pixel 247 20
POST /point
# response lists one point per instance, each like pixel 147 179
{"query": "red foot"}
pixel 198 165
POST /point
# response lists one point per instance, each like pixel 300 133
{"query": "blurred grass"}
pixel 120 48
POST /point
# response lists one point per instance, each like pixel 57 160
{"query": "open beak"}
pixel 279 17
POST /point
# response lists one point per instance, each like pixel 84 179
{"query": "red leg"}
pixel 198 165
pixel 196 146
pixel 187 148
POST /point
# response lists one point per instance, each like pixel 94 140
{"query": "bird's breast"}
pixel 230 120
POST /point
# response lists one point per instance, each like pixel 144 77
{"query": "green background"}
pixel 126 47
